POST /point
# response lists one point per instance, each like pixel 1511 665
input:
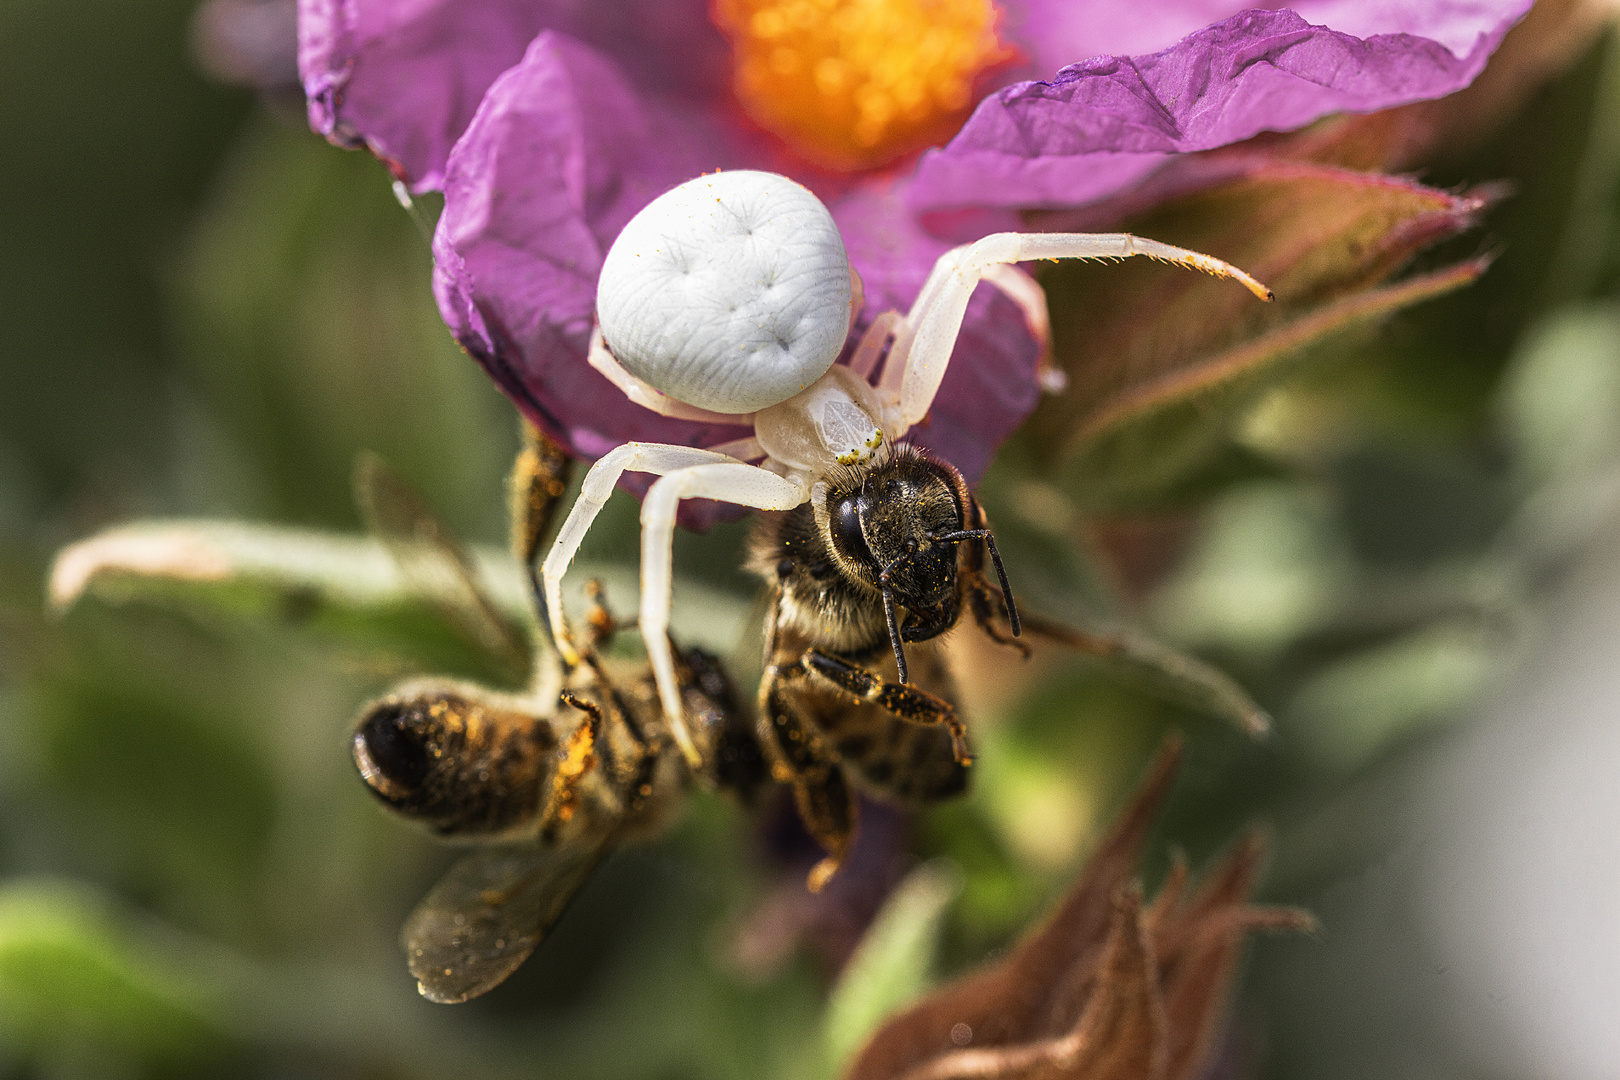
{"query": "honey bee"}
pixel 884 555
pixel 881 557
pixel 547 781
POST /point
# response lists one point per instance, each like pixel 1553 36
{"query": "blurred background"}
pixel 1407 552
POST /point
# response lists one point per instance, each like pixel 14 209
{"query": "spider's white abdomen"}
pixel 730 292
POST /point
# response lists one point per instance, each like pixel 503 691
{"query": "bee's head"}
pixel 883 530
pixel 459 765
pixel 897 527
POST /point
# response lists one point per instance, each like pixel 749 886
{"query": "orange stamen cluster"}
pixel 853 84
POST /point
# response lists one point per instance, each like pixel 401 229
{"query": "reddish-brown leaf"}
pixel 1104 990
pixel 1119 1035
pixel 1198 943
pixel 1120 1031
pixel 1009 1003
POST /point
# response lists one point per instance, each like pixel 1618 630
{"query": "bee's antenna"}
pixel 894 625
pixel 888 595
pixel 995 558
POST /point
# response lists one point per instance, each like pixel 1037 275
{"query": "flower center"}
pixel 853 84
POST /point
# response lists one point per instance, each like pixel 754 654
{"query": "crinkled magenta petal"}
pixel 561 153
pixel 404 77
pixel 1053 34
pixel 1101 124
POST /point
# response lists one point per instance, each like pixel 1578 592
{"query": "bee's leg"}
pixel 986 601
pixel 899 699
pixel 801 758
pixel 579 757
pixel 534 491
pixel 598 616
pixel 739 761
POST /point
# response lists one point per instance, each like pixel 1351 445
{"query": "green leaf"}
pixel 75 978
pixel 349 587
pixel 893 964
pixel 1160 362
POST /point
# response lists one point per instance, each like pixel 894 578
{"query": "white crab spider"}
pixel 727 300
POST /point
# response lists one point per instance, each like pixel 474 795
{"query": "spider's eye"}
pixel 845 519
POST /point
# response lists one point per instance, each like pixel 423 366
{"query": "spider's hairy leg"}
pixel 742 449
pixel 1033 246
pixel 923 346
pixel 649 397
pixel 657 458
pixel 728 481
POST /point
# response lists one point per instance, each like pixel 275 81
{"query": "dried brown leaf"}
pixel 1010 1002
pixel 1120 1030
pixel 1119 1033
pixel 1105 989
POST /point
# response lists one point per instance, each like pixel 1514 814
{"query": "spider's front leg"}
pixel 923 344
pixel 659 458
pixel 727 481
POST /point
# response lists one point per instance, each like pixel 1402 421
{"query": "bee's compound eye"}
pixel 844 516
pixel 730 292
pixel 390 753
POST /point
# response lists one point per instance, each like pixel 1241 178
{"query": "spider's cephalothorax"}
pixel 730 300
pixel 881 555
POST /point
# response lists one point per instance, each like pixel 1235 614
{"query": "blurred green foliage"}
pixel 210 312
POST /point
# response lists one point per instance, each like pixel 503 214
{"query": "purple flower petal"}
pixel 561 153
pixel 1057 33
pixel 1104 123
pixel 404 77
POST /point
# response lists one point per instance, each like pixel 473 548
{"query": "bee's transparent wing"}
pixel 435 563
pixel 487 915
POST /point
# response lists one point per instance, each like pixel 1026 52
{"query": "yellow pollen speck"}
pixel 854 84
